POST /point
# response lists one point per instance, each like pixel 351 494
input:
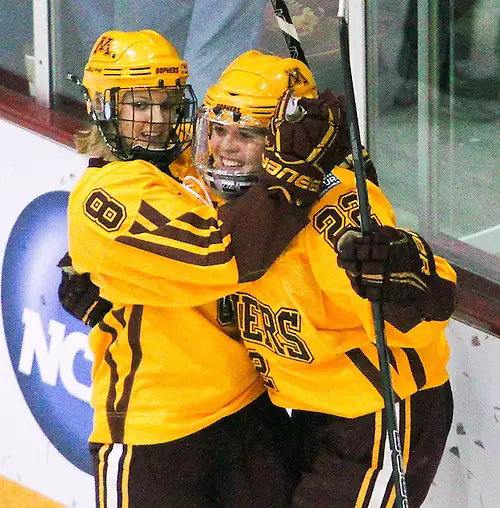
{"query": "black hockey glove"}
pixel 80 296
pixel 299 151
pixel 397 268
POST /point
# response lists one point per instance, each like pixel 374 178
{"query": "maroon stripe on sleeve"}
pixel 198 222
pixel 188 237
pixel 167 228
pixel 152 214
pixel 209 259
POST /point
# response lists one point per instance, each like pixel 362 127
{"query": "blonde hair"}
pixel 89 141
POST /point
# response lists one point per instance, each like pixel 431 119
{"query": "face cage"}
pixel 180 132
pixel 225 183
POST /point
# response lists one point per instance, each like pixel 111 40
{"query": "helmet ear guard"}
pixel 102 110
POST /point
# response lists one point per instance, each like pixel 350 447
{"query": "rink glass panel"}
pixel 433 109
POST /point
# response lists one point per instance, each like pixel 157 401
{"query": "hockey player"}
pixel 180 414
pixel 307 322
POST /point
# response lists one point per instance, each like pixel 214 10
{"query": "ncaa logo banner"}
pixel 48 348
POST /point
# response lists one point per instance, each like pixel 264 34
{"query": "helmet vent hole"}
pixel 140 71
pixel 112 72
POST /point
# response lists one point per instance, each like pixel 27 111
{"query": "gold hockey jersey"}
pixel 163 367
pixel 311 336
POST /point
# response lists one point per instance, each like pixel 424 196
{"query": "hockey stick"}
pixel 289 33
pixel 293 43
pixel 378 320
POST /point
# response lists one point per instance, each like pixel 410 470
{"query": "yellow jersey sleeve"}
pixel 145 238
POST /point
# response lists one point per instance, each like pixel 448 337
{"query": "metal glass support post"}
pixel 428 106
pixel 41 44
pixel 357 52
pixel 372 117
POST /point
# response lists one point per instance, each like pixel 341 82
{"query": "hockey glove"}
pixel 299 151
pixel 371 172
pixel 80 296
pixel 397 268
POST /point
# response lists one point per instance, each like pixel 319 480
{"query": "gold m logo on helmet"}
pixel 104 46
pixel 290 175
pixel 295 77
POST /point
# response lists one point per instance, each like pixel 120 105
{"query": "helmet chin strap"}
pixel 160 158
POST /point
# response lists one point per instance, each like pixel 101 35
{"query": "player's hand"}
pixel 80 296
pixel 371 172
pixel 389 265
pixel 299 152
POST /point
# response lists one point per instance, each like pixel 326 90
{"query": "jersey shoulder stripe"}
pixel 189 232
pixel 168 229
pixel 198 222
pixel 188 237
pixel 153 215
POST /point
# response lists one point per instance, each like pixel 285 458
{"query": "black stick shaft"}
pixel 378 319
pixel 289 33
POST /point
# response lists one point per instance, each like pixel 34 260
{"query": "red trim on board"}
pixel 478 273
pixel 25 112
pixel 478 302
pixel 478 290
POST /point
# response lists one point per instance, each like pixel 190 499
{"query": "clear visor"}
pixel 227 153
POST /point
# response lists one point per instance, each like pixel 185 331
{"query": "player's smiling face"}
pixel 146 117
pixel 236 148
